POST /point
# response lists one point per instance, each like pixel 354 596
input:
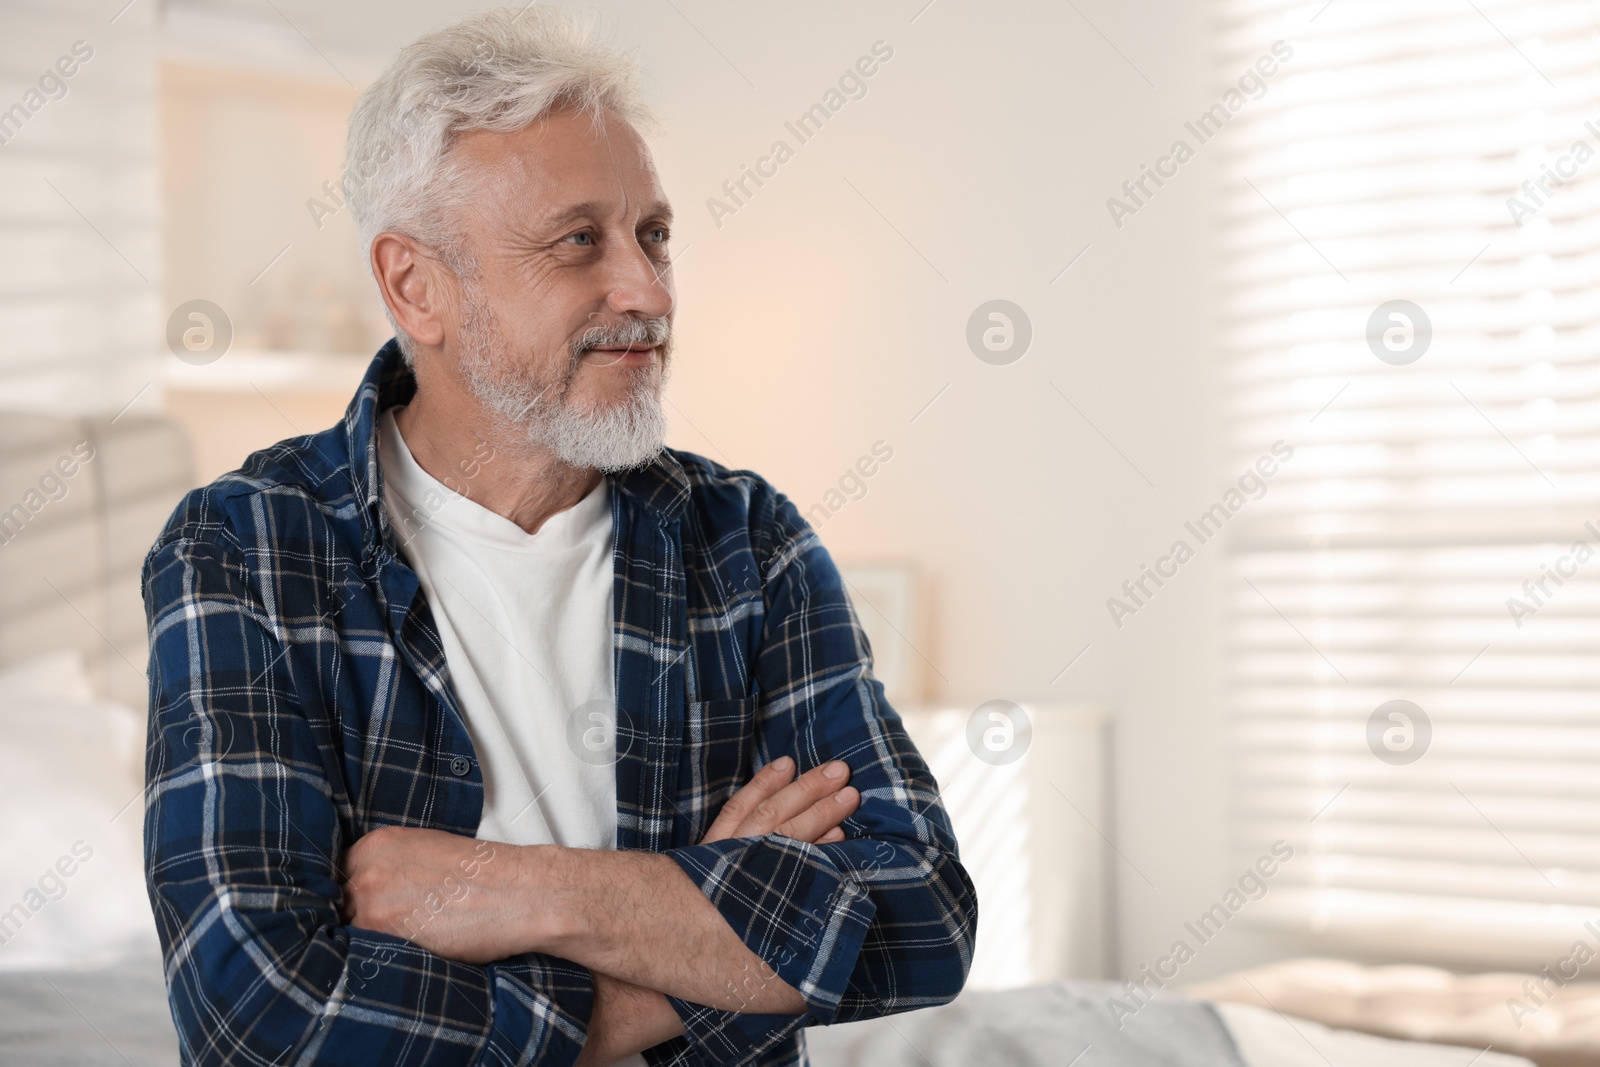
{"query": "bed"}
pixel 80 502
pixel 80 971
pixel 116 1015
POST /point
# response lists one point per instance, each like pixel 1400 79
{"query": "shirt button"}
pixel 460 766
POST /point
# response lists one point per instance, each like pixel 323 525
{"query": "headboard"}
pixel 81 500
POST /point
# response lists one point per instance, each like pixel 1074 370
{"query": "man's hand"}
pixel 443 891
pixel 809 809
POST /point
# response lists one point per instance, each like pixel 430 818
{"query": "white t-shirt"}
pixel 525 620
pixel 526 624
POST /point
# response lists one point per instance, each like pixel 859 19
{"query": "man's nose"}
pixel 641 285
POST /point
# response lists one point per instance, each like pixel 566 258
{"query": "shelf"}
pixel 247 371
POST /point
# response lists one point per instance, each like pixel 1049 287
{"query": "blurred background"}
pixel 1229 372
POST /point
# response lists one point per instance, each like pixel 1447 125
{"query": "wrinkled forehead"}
pixel 566 163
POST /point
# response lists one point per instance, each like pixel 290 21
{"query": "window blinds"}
pixel 80 310
pixel 1435 538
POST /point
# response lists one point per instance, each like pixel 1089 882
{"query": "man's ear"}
pixel 413 284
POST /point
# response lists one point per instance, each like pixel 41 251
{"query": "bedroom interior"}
pixel 1267 326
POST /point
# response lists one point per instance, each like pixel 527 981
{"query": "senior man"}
pixel 486 730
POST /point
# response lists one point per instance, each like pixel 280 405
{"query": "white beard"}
pixel 625 434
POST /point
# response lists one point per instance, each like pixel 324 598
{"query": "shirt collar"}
pixel 661 486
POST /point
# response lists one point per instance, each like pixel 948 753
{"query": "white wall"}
pixel 811 329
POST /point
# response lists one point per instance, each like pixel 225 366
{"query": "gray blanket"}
pixel 1063 1024
pixel 118 1017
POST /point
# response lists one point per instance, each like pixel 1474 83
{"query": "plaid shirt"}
pixel 300 697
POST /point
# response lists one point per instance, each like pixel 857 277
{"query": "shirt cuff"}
pixel 549 1000
pixel 793 907
pixel 714 1038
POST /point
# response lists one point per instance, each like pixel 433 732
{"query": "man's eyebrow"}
pixel 592 209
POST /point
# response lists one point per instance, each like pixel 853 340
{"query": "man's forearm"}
pixel 626 1019
pixel 637 917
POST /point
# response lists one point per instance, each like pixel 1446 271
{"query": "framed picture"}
pixel 887 600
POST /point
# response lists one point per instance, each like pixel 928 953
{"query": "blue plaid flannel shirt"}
pixel 299 697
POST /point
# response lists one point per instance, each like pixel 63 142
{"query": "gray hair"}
pixel 498 71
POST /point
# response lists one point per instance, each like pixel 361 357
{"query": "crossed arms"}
pixel 249 852
pixel 633 918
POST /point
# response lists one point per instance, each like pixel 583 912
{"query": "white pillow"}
pixel 71 818
pixel 1271 1039
pixel 63 673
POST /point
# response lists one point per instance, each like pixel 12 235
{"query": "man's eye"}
pixel 583 237
pixel 658 234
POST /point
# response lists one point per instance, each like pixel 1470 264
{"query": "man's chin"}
pixel 621 465
pixel 627 434
pixel 609 456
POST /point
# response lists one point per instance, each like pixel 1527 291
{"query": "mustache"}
pixel 654 333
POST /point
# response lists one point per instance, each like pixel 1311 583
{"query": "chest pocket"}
pixel 719 747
